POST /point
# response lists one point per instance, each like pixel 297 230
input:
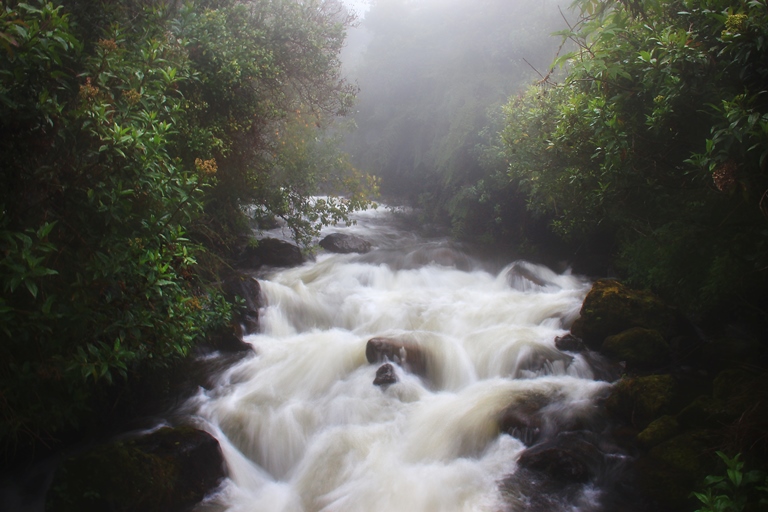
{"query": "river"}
pixel 304 429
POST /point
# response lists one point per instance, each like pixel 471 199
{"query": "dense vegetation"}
pixel 657 141
pixel 644 149
pixel 135 136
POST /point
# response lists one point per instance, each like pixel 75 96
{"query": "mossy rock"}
pixel 671 469
pixel 639 347
pixel 168 470
pixel 610 308
pixel 705 412
pixel 640 400
pixel 659 430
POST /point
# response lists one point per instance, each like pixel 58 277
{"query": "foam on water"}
pixel 303 428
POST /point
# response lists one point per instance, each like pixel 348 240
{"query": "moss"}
pixel 639 347
pixel 705 412
pixel 640 400
pixel 610 308
pixel 659 430
pixel 168 470
pixel 672 468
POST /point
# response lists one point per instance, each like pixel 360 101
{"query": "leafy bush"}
pixel 736 491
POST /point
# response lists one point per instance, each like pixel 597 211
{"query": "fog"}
pixel 433 75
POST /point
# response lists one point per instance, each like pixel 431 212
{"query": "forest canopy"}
pixel 135 138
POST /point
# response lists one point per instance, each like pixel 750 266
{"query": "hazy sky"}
pixel 359 6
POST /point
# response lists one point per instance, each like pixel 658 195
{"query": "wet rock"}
pixel 640 400
pixel 523 419
pixel 385 376
pixel 538 359
pixel 638 347
pixel 345 243
pixel 569 343
pixel 404 353
pixel 610 308
pixel 522 275
pixel 569 457
pixel 168 470
pixel 248 289
pixel 659 430
pixel 272 252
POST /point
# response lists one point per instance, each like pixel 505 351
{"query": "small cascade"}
pixel 472 395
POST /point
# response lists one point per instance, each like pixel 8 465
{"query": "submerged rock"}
pixel 569 343
pixel 345 243
pixel 610 308
pixel 569 457
pixel 406 354
pixel 168 470
pixel 385 376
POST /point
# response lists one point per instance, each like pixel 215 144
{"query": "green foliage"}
pixel 134 139
pixel 656 140
pixel 736 491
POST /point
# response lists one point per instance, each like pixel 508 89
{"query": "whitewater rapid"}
pixel 303 428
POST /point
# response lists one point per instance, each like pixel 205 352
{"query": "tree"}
pixel 656 139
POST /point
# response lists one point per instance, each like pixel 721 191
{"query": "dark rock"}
pixel 345 243
pixel 640 400
pixel 522 275
pixel 569 457
pixel 669 471
pixel 638 347
pixel 406 354
pixel 705 412
pixel 659 430
pixel 248 289
pixel 610 308
pixel 523 418
pixel 168 470
pixel 272 252
pixel 385 376
pixel 569 343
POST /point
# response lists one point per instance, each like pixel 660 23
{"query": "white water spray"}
pixel 303 428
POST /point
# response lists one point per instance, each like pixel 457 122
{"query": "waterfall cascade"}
pixel 474 378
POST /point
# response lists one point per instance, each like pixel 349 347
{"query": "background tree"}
pixel 655 143
pixel 429 75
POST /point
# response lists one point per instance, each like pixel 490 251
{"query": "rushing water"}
pixel 304 429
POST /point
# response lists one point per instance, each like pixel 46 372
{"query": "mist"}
pixel 433 76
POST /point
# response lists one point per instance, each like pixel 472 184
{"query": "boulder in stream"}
pixel 272 252
pixel 345 243
pixel 406 354
pixel 610 308
pixel 168 470
pixel 385 376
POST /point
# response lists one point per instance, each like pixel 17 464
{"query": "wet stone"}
pixel 385 376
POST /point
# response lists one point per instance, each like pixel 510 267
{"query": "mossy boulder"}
pixel 168 470
pixel 705 412
pixel 659 430
pixel 640 400
pixel 638 347
pixel 671 469
pixel 610 308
